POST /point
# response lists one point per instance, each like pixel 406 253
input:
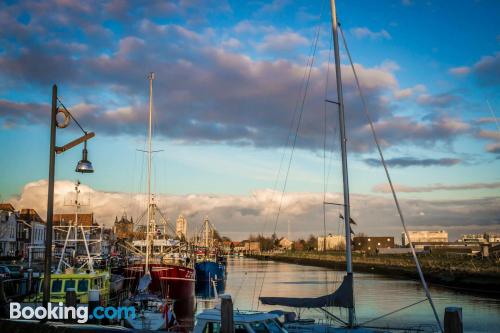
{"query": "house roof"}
pixel 85 219
pixel 29 214
pixel 7 207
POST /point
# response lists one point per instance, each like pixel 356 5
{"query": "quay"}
pixel 464 273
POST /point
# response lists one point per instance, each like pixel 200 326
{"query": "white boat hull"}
pixel 148 320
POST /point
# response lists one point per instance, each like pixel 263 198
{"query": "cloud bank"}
pixel 240 215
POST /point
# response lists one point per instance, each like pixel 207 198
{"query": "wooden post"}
pixel 3 301
pixel 71 300
pixel 453 320
pixel 93 302
pixel 226 314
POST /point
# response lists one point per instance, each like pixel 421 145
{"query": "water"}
pixel 375 295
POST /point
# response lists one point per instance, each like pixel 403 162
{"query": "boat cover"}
pixel 342 297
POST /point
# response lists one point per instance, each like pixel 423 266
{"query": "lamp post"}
pixel 83 166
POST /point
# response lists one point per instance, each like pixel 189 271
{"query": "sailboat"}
pixel 165 270
pixel 343 297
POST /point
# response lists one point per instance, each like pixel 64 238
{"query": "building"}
pixel 124 228
pixel 474 239
pixel 285 243
pixel 425 236
pixel 251 247
pixel 84 219
pixel 370 244
pixel 492 238
pixel 33 227
pixel 181 227
pixel 332 242
pixel 8 230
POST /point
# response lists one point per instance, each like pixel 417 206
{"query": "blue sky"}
pixel 228 78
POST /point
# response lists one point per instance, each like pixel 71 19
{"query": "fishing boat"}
pixel 210 264
pixel 78 272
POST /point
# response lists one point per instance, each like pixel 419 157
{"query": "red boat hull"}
pixel 171 281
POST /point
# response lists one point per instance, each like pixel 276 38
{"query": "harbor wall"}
pixel 466 273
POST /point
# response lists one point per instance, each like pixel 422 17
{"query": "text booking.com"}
pixel 79 313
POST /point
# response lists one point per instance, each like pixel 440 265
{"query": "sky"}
pixel 228 92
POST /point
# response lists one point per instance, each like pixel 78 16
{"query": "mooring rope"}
pixel 396 201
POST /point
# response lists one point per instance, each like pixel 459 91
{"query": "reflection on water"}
pixel 375 295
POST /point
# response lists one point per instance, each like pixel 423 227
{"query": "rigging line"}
pixel 493 114
pixel 290 128
pixel 306 87
pixel 396 201
pixel 393 312
pixel 299 121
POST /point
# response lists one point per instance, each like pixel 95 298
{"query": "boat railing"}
pixel 18 289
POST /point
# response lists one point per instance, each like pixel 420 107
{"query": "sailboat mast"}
pixel 148 227
pixel 343 139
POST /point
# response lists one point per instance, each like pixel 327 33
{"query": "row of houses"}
pixel 22 233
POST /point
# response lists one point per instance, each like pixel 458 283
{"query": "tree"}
pixel 312 243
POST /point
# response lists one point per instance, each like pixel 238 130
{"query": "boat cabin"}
pixel 209 321
pixel 81 283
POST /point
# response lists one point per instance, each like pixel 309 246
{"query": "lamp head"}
pixel 84 165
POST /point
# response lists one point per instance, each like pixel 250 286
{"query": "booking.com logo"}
pixel 78 313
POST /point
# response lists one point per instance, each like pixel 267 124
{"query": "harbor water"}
pixel 375 295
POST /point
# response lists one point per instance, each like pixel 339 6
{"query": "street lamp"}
pixel 83 166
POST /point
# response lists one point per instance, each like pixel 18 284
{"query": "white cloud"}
pixel 409 92
pixel 364 32
pixel 240 215
pixel 282 42
pixel 459 71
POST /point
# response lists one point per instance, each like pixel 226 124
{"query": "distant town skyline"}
pixel 228 76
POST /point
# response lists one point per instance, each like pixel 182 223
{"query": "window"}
pixel 239 328
pixel 83 285
pixel 273 326
pixel 259 327
pixel 69 284
pixel 56 286
pixel 212 327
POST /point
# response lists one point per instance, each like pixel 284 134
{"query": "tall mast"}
pixel 151 77
pixel 343 139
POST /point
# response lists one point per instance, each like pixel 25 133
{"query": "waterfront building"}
pixel 8 228
pixel 31 234
pixel 492 238
pixel 181 227
pixel 252 247
pixel 85 222
pixel 84 219
pixel 124 228
pixel 370 244
pixel 285 243
pixel 473 239
pixel 332 242
pixel 425 236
